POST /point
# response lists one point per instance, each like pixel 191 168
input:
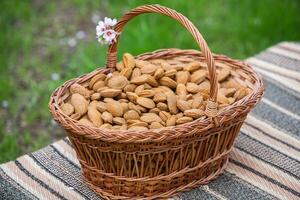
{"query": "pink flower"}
pixel 105 32
pixel 110 22
pixel 110 36
pixel 100 28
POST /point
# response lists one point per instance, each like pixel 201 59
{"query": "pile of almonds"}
pixel 151 94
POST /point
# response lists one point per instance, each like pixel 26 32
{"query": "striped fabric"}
pixel 265 163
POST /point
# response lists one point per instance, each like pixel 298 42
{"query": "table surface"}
pixel 264 164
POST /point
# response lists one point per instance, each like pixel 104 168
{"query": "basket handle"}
pixel 111 60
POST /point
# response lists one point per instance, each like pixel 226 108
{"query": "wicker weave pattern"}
pixel 158 163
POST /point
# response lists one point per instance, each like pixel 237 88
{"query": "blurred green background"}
pixel 44 43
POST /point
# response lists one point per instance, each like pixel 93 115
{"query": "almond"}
pixel 120 66
pixel 67 108
pixel 131 114
pixel 192 87
pixel 171 121
pixel 166 66
pixel 128 60
pixel 183 120
pixel 166 81
pixel 119 120
pixel 101 106
pixel 165 89
pixel 98 77
pixel 146 93
pixel 159 97
pixel 155 125
pixel 106 100
pixel 136 73
pixel 115 108
pixel 164 115
pixel 189 97
pixel 183 105
pixel 107 117
pixel 204 86
pixel 182 77
pixel 139 88
pixel 132 96
pixel 110 93
pixel 178 67
pixel 124 106
pixel 123 100
pixel 179 115
pixel 194 113
pixel 192 66
pixel 94 104
pixel 231 100
pixel 101 89
pixel 230 92
pixel 159 73
pixel 79 103
pixel 149 69
pixel 150 117
pixel 147 86
pixel 181 91
pixel 126 72
pixel 75 116
pixel 145 102
pixel 171 100
pixel 231 84
pixel 223 74
pixel 122 96
pixel 95 116
pixel 95 96
pixel 162 106
pixel 140 79
pixel 154 110
pixel 151 81
pixel 132 106
pixel 132 121
pixel 98 85
pixel 170 72
pixel 129 88
pixel 240 93
pixel 106 126
pixel 197 102
pixel 117 82
pixel 141 63
pixel 198 76
pixel 141 108
pixel 222 99
pixel 76 88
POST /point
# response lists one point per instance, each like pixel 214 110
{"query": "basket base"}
pixel 169 193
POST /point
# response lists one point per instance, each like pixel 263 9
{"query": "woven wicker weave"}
pixel 159 163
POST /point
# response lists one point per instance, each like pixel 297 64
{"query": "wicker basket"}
pixel 159 163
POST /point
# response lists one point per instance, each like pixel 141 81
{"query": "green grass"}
pixel 34 47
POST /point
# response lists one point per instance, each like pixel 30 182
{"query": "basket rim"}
pixel 198 126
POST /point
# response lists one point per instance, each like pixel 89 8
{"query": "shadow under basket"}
pixel 159 163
